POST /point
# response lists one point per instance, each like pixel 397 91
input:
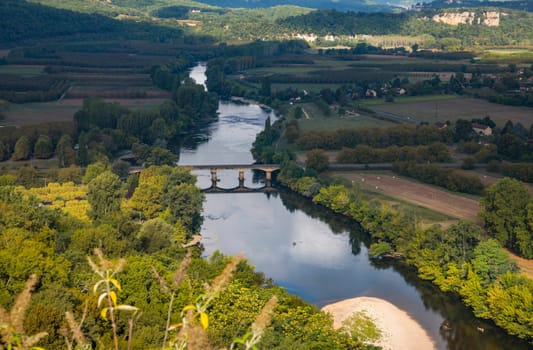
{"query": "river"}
pixel 311 252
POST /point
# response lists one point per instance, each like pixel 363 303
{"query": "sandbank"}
pixel 399 330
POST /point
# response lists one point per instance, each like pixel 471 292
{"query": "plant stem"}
pixel 168 320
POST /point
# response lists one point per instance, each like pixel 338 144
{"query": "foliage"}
pixel 444 177
pixel 317 160
pixel 22 149
pixel 506 209
pixel 104 195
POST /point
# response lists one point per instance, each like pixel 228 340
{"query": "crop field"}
pixel 416 193
pixel 35 113
pixel 442 109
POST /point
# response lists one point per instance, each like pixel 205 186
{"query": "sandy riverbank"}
pixel 399 330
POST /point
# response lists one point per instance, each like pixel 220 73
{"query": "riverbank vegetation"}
pixel 49 240
pixel 459 259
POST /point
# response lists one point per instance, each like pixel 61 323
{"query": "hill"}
pixel 21 20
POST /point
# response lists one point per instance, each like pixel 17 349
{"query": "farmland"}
pixel 36 113
pixel 431 109
pixel 416 193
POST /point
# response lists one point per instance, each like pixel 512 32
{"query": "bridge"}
pixel 268 169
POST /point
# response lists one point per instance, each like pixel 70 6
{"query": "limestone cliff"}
pixel 487 18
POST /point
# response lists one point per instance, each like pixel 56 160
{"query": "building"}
pixel 481 129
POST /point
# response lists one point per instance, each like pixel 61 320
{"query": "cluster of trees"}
pixel 148 233
pixel 18 89
pixel 399 135
pixel 507 210
pixel 444 177
pixel 106 128
pixel 435 152
pixel 458 259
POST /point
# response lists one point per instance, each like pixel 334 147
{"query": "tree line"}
pixel 459 259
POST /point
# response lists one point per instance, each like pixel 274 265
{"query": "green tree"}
pixel 490 261
pixel 83 149
pixel 43 147
pixel 92 171
pixel 504 208
pixel 184 203
pixel 154 235
pixel 160 156
pixel 64 152
pixel 22 149
pixel 317 160
pixel 105 194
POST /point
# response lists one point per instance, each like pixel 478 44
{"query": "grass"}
pixel 317 121
pixel 423 214
pixel 22 69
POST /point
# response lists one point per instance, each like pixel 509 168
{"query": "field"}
pixel 27 70
pixel 35 113
pixel 315 120
pixel 427 196
pixel 432 110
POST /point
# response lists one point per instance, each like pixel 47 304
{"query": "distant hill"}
pixel 21 20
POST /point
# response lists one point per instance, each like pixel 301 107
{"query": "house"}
pixel 481 129
pixel 441 125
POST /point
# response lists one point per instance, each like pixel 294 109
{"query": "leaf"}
pixel 115 283
pixel 101 297
pixel 113 297
pixel 103 313
pixel 95 288
pixel 126 308
pixel 204 320
pixel 174 326
pixel 188 307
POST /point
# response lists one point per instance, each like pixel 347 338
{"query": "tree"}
pixel 160 156
pixel 22 149
pixel 105 194
pixel 265 87
pixel 184 203
pixel 83 149
pixel 3 151
pixel 64 152
pixel 43 147
pixel 490 261
pixel 154 235
pixel 504 208
pixel 317 160
pixel 92 171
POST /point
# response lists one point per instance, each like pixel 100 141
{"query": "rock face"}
pixel 487 18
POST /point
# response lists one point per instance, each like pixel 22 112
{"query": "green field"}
pixel 432 109
pixel 317 121
pixel 22 69
pixel 423 214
